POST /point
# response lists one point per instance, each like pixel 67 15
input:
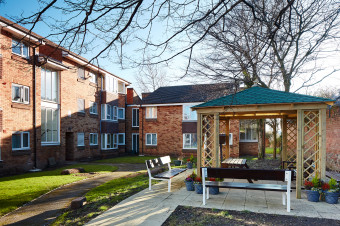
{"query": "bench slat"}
pixel 169 174
pixel 267 187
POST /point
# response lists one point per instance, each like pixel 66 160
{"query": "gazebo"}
pixel 303 127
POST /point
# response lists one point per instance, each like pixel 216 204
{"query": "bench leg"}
pixel 149 183
pixel 284 198
pixel 204 188
pixel 288 201
pixel 169 185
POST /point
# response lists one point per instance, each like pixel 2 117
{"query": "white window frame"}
pixel 121 134
pixel 83 143
pixel 183 113
pixel 104 141
pixel 114 113
pixel 123 113
pixel 123 84
pixel 109 112
pixel 247 140
pixel 146 139
pixel 93 108
pixel 44 86
pixel 190 141
pixel 93 77
pixel 150 116
pixel 55 108
pixel 110 84
pixel 92 135
pixel 22 141
pixel 81 110
pixel 23 98
pixel 133 122
pixel 22 46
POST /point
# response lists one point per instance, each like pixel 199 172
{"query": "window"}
pixel 93 77
pixel 230 139
pixel 81 72
pixel 121 113
pixel 248 131
pixel 151 112
pixel 80 139
pixel 81 105
pixel 121 138
pixel 110 83
pixel 121 87
pixel 109 141
pixel 189 141
pixel 93 108
pixel 20 48
pixel 20 94
pixel 49 125
pixel 20 140
pixel 93 138
pixel 109 112
pixel 151 139
pixel 135 117
pixel 49 85
pixel 188 114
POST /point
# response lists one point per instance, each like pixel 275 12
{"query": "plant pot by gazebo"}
pixel 199 188
pixel 189 165
pixel 313 196
pixel 332 197
pixel 189 185
pixel 214 190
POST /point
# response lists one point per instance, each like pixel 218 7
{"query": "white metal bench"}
pixel 167 175
pixel 249 174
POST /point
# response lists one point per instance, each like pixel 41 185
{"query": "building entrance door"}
pixel 69 147
pixel 135 143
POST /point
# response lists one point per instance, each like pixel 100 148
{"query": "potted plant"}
pixel 214 190
pixel 198 185
pixel 189 182
pixel 331 191
pixel 178 162
pixel 190 162
pixel 313 189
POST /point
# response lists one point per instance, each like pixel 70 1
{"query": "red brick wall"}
pixel 333 139
pixel 248 148
pixel 52 52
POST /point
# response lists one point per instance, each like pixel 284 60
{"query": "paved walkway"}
pixel 45 209
pixel 154 207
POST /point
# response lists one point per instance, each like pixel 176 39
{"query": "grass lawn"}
pixel 18 190
pixel 271 150
pixel 102 198
pixel 129 159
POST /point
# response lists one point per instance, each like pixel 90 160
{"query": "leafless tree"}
pixel 161 29
pixel 151 77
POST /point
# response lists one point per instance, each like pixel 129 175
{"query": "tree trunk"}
pixel 274 136
pixel 261 138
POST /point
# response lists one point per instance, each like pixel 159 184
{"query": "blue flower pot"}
pixel 199 188
pixel 190 185
pixel 313 196
pixel 189 165
pixel 332 197
pixel 214 190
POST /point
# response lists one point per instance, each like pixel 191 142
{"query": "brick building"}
pixel 168 126
pixel 54 104
pixel 333 138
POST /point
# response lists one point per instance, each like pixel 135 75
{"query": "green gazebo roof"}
pixel 259 95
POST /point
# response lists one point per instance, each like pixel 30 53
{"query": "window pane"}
pixel 27 94
pixel 121 139
pixel 186 140
pixel 148 138
pixel 109 109
pixel 48 85
pixel 49 125
pixel 103 111
pixel 81 105
pixel 186 112
pixel 55 125
pixel 15 93
pixel 108 144
pixel 25 138
pixel 80 139
pixel 103 141
pixel 194 140
pixel 43 85
pixel 54 86
pixel 24 50
pixel 154 112
pixel 154 139
pixel 81 73
pixel 121 113
pixel 16 141
pixel 16 48
pixel 95 138
pixel 43 125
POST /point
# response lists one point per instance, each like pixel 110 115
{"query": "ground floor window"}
pixel 20 140
pixel 109 141
pixel 190 141
pixel 49 125
pixel 151 139
pixel 93 138
pixel 248 131
pixel 80 139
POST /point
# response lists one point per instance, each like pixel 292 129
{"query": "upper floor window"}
pixel 81 105
pixel 135 117
pixel 20 94
pixel 121 87
pixel 188 113
pixel 110 83
pixel 121 113
pixel 81 73
pixel 109 112
pixel 93 108
pixel 93 77
pixel 248 131
pixel 20 48
pixel 20 140
pixel 151 112
pixel 49 85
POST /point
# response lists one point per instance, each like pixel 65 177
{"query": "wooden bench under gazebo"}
pixel 303 127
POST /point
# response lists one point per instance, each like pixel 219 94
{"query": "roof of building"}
pixel 188 93
pixel 258 95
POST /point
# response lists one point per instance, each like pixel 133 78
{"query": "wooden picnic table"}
pixel 236 163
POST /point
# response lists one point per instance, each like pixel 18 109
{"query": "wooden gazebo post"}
pixel 199 143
